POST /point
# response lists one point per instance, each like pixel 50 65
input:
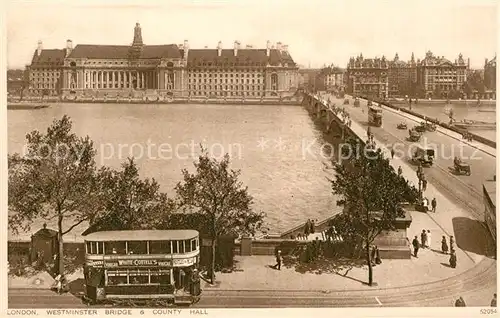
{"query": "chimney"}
pixel 39 48
pixel 236 46
pixel 219 48
pixel 186 48
pixel 468 62
pixel 285 48
pixel 268 48
pixel 69 47
pixel 278 46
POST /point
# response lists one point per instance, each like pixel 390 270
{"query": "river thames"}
pixel 277 148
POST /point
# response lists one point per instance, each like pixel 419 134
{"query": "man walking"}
pixel 423 238
pixel 400 171
pixel 415 246
pixel 392 153
pixel 494 300
pixel 278 261
pixel 434 204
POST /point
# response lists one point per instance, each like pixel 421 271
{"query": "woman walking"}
pixel 444 245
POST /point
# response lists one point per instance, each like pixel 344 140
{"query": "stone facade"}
pixel 490 74
pixel 439 76
pixel 167 71
pixel 368 77
pixel 402 76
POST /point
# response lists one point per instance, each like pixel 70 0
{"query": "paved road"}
pixel 476 285
pixel 466 190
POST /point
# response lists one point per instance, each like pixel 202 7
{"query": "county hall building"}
pixel 163 71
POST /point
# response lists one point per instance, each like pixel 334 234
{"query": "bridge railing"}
pixel 475 137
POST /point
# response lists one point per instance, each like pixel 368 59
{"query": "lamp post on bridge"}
pixel 421 180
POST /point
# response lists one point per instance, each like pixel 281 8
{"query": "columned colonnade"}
pixel 120 79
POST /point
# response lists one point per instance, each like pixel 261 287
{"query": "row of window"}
pixel 225 74
pixel 142 247
pixel 35 85
pixel 236 81
pixel 138 277
pixel 226 87
pixel 233 93
pixel 143 62
pixel 44 74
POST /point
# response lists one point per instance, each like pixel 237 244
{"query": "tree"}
pixel 371 193
pixel 215 192
pixel 55 179
pixel 437 93
pixel 126 202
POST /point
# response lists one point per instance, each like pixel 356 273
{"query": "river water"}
pixel 470 111
pixel 277 148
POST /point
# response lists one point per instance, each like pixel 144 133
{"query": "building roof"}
pixel 92 51
pixel 45 232
pixel 142 235
pixel 52 57
pixel 244 57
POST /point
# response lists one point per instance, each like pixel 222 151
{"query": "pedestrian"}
pixel 434 204
pixel 494 300
pixel 453 259
pixel 452 244
pixel 429 238
pixel 423 238
pixel 400 171
pixel 424 184
pixel 307 228
pixel 392 153
pixel 416 246
pixel 278 261
pixel 378 260
pixel 311 228
pixel 444 245
pixel 460 302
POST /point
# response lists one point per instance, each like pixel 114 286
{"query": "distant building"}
pixel 402 76
pixel 46 70
pixel 164 70
pixel 307 77
pixel 368 77
pixel 490 74
pixel 333 77
pixel 440 77
pixel 16 81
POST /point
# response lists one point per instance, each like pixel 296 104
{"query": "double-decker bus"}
pixel 375 116
pixel 143 266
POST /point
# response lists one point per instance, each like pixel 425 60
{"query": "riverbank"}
pixel 25 106
pixel 152 101
pixel 471 102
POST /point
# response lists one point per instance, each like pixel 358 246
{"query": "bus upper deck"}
pixel 375 116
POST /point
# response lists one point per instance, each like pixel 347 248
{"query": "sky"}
pixel 317 32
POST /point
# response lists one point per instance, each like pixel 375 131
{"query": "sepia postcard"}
pixel 244 158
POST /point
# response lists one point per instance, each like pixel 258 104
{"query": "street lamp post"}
pixel 421 179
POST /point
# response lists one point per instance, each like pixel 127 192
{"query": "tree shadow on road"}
pixel 322 265
pixel 473 236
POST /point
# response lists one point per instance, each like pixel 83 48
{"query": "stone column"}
pixel 113 79
pixel 142 79
pixel 119 79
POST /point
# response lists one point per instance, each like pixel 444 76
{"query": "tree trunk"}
pixel 212 265
pixel 370 267
pixel 60 260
